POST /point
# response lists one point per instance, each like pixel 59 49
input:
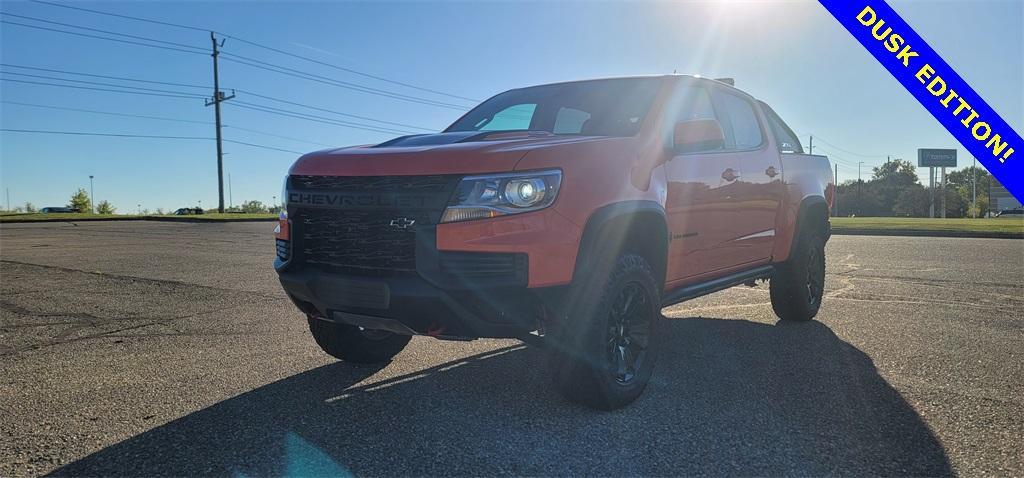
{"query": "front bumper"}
pixel 411 305
pixel 450 294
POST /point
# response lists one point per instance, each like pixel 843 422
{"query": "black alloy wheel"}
pixel 629 327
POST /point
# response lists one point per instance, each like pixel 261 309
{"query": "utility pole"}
pixel 218 98
pixel 810 148
pixel 835 192
pixel 92 197
pixel 860 186
pixel 231 202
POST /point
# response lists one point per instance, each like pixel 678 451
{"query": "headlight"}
pixel 479 197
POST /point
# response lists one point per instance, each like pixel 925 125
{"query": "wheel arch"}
pixel 814 212
pixel 639 226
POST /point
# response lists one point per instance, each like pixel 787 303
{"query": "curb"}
pixel 921 233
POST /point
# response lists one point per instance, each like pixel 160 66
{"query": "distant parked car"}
pixel 186 211
pixel 48 210
pixel 1012 213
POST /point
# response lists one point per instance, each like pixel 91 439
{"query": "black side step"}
pixel 704 288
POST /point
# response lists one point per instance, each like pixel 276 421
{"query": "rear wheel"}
pixel 798 285
pixel 355 344
pixel 603 351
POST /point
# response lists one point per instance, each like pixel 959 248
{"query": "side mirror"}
pixel 698 135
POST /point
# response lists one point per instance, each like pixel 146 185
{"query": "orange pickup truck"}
pixel 566 215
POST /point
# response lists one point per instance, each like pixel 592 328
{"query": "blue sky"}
pixel 791 54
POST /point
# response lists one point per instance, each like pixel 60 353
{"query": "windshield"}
pixel 614 107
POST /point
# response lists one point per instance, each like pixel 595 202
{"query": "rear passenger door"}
pixel 757 192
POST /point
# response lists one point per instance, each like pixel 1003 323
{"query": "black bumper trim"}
pixel 412 305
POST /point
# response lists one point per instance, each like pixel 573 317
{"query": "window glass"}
pixel 788 141
pixel 696 104
pixel 570 121
pixel 512 118
pixel 746 131
pixel 615 107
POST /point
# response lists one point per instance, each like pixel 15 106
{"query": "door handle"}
pixel 771 172
pixel 730 175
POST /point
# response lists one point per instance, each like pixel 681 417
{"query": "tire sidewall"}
pixel 579 350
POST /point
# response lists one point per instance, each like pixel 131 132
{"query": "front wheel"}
pixel 355 344
pixel 798 285
pixel 604 350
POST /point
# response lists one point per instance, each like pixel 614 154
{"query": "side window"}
pixel 745 129
pixel 511 118
pixel 570 121
pixel 695 104
pixel 788 141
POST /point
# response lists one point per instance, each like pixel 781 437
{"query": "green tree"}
pixel 962 180
pixel 80 200
pixel 253 207
pixel 912 202
pixel 29 207
pixel 104 207
pixel 888 181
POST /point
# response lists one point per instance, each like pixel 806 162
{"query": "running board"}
pixel 704 288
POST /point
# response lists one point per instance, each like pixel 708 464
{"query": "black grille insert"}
pixel 360 242
pixel 364 225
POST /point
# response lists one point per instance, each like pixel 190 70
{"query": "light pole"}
pixel 92 197
pixel 860 186
pixel 974 189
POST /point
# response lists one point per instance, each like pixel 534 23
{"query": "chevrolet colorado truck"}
pixel 566 214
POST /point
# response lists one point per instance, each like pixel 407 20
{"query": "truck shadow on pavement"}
pixel 729 397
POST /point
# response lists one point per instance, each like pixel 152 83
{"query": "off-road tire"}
pixel 585 344
pixel 352 344
pixel 798 285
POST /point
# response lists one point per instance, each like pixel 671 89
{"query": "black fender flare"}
pixel 806 205
pixel 611 213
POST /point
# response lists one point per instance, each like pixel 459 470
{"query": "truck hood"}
pixel 441 153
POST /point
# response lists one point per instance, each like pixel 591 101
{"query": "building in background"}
pixel 1001 199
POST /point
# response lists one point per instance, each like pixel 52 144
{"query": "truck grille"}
pixel 357 236
pixel 362 242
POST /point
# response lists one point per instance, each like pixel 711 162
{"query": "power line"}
pixel 259 45
pixel 99 83
pixel 161 118
pixel 117 135
pixel 315 118
pixel 350 70
pixel 108 32
pixel 102 89
pixel 66 72
pixel 271 98
pixel 330 81
pixel 262 146
pixel 158 22
pixel 819 138
pixel 111 113
pixel 100 37
pixel 145 136
pixel 276 135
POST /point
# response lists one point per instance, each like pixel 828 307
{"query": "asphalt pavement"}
pixel 144 348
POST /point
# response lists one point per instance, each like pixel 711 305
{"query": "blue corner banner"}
pixel 937 86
